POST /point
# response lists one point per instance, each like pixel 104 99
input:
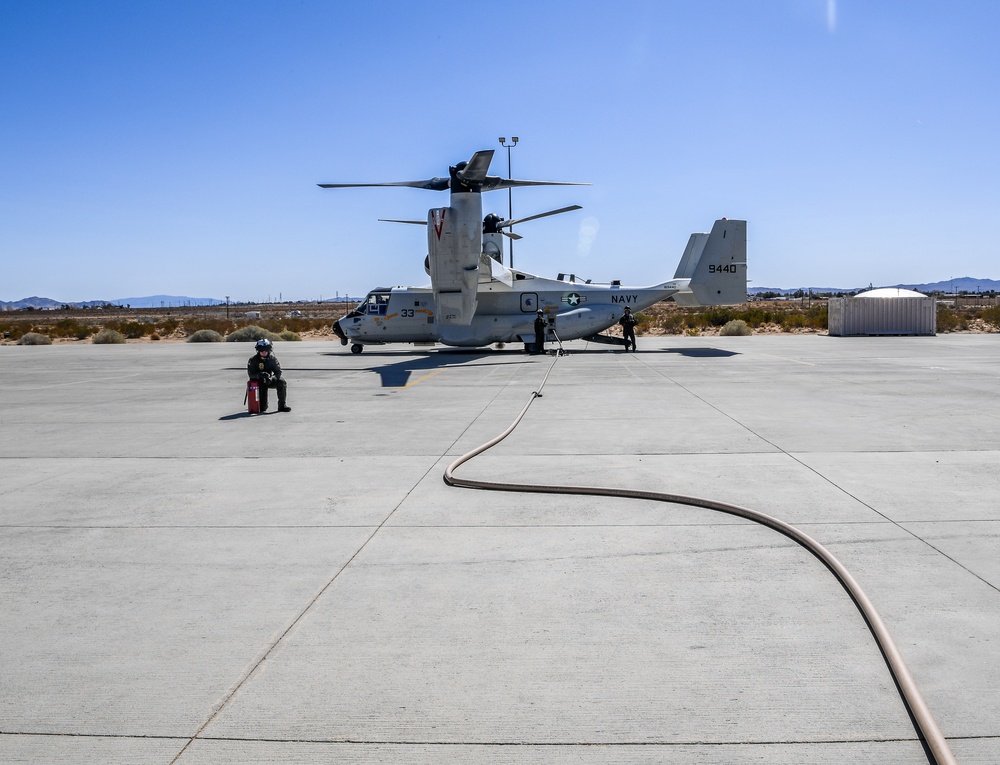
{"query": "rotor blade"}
pixel 509 223
pixel 493 182
pixel 479 165
pixel 434 184
pixel 512 235
pixel 395 220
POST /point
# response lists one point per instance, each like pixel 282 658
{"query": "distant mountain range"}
pixel 150 301
pixel 965 284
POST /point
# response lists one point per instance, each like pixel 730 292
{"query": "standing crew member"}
pixel 265 369
pixel 540 332
pixel 628 323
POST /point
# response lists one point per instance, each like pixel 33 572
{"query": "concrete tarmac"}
pixel 181 582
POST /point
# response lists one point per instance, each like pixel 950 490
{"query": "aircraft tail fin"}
pixel 716 264
pixel 692 253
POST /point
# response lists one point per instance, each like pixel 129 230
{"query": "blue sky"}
pixel 175 147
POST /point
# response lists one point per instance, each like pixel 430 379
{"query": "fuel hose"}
pixel 926 726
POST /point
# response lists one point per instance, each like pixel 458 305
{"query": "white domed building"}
pixel 890 292
pixel 883 311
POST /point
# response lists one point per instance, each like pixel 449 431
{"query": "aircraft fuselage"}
pixel 504 314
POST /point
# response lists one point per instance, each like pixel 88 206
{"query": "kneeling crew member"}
pixel 265 369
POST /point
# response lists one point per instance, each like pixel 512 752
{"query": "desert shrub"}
pixel 274 325
pixel 736 328
pixel 818 316
pixel 991 315
pixel 278 324
pixel 130 329
pixel 755 316
pixel 13 331
pixel 205 336
pixel 694 320
pixel 302 323
pixel 947 319
pixel 719 316
pixel 672 324
pixel 788 316
pixel 34 338
pixel 250 334
pixel 154 336
pixel 108 336
pixel 793 321
pixel 133 329
pixel 167 326
pixel 71 328
pixel 289 335
pixel 222 326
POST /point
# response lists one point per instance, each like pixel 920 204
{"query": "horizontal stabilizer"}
pixel 493 270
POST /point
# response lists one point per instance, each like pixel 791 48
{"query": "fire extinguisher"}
pixel 252 397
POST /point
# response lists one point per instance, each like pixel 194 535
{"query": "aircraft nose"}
pixel 339 332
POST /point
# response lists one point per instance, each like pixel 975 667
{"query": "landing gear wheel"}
pixel 357 348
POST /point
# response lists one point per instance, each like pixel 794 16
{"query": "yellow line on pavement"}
pixel 785 358
pixel 435 372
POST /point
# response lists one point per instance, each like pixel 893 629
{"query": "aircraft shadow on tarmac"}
pixel 700 353
pixel 398 375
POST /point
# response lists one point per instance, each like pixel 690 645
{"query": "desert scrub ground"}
pixel 796 316
pixel 173 324
pixel 315 323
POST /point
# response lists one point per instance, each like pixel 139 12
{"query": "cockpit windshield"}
pixel 375 304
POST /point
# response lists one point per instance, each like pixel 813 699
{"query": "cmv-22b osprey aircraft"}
pixel 474 300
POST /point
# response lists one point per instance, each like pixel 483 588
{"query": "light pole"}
pixel 227 307
pixel 510 198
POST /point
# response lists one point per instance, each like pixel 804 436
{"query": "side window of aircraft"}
pixel 375 305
